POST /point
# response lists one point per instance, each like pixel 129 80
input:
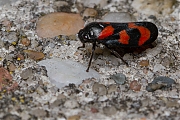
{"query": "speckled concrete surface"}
pixel 108 97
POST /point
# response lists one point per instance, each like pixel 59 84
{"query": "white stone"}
pixel 64 72
pixel 118 17
pixel 92 3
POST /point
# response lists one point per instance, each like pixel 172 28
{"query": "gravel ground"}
pixel 148 89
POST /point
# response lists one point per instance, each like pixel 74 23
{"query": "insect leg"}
pixel 92 54
pixel 83 46
pixel 119 56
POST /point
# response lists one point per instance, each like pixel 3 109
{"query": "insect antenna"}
pixel 92 54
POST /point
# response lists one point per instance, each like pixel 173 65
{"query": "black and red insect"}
pixel 118 37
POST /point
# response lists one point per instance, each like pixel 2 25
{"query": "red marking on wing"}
pixel 124 37
pixel 106 32
pixel 145 33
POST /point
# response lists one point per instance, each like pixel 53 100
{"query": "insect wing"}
pixel 133 34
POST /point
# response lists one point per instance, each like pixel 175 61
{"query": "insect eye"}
pixel 86 37
pixel 91 33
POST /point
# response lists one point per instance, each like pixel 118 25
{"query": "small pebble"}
pixel 11 67
pixel 127 57
pixel 74 117
pixel 60 100
pixel 94 110
pixel 102 98
pixel 1 43
pixel 154 7
pixel 144 63
pixel 34 54
pixel 113 60
pixel 109 110
pixel 34 43
pixel 5 78
pixel 153 87
pixel 166 62
pixel 164 80
pixel 136 104
pixel 60 3
pixel 89 12
pixel 61 96
pixel 55 24
pixel 145 71
pixel 172 103
pixel 112 88
pixel 7 24
pixel 99 89
pixel 25 41
pixel 11 48
pixel 135 85
pixel 71 104
pixel 11 38
pixel 119 78
pixel 145 102
pixel 39 112
pixel 20 57
pixel 93 3
pixel 27 73
pixel 25 115
pixel 159 83
pixel 56 103
pixel 11 117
